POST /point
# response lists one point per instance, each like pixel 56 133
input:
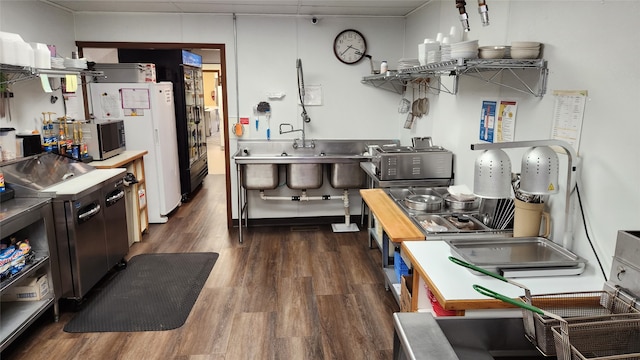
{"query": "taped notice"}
pixel 506 125
pixel 568 116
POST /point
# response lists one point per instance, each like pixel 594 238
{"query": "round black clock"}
pixel 350 46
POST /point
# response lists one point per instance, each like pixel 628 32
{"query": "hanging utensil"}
pixel 408 123
pixel 424 102
pixel 404 105
pixel 268 125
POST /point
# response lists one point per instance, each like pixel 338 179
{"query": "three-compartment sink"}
pixel 304 167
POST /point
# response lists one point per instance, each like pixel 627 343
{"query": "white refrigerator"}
pixel 149 124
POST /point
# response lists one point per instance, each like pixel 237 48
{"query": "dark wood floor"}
pixel 285 293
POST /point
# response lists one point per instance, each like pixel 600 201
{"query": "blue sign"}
pixel 189 58
pixel 487 120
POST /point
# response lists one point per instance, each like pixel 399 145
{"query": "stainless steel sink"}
pixel 259 162
pixel 260 176
pixel 421 336
pixel 302 176
pixel 346 175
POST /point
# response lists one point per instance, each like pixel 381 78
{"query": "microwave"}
pixel 104 140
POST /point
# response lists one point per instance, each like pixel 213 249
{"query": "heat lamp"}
pixel 539 172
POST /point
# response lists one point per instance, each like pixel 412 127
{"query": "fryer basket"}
pixel 601 340
pixel 576 307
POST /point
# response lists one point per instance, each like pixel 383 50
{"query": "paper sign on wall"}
pixel 487 120
pixel 506 125
pixel 135 99
pixel 568 115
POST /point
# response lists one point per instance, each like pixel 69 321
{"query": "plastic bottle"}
pixel 46 135
pixel 69 140
pixel 62 138
pixel 384 67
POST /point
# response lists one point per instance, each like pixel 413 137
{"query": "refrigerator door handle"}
pixel 197 110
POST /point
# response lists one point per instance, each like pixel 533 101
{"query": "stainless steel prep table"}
pixel 82 197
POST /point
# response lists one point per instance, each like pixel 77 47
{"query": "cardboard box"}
pixel 406 293
pixel 32 289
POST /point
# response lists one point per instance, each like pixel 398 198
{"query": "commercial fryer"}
pixel 89 216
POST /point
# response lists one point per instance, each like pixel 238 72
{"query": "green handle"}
pixel 490 293
pixel 478 269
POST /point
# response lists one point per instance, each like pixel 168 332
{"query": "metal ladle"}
pixel 424 103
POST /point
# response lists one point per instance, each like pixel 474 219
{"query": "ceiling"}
pixel 271 7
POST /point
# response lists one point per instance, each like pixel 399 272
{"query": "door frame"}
pixel 223 69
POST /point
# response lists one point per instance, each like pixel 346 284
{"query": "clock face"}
pixel 349 46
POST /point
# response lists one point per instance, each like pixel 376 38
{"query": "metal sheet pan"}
pixel 514 253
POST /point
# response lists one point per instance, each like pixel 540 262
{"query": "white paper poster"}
pixel 568 114
pixel 135 99
pixel 506 125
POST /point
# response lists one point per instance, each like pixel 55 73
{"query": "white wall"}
pixel 268 47
pixel 589 45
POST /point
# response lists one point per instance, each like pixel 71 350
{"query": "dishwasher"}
pixel 89 216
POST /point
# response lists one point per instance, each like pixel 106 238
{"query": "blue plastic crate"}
pixel 400 266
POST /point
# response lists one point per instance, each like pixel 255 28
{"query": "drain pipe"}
pixel 302 197
pixel 346 227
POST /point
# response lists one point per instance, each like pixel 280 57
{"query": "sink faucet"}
pixel 289 129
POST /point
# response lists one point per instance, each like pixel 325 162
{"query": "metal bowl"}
pixel 455 204
pixel 423 202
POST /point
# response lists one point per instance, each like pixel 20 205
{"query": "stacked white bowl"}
pixel 525 49
pixel 464 50
pixel 491 52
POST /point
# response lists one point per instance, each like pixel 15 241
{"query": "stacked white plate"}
pixel 525 49
pixel 425 49
pixel 434 56
pixel 407 63
pixel 57 63
pixel 445 52
pixel 464 50
pixel 75 64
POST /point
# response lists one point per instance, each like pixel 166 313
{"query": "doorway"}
pixel 108 49
pixel 213 115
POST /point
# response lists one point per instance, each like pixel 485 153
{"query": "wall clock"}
pixel 350 46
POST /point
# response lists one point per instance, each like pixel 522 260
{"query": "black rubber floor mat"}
pixel 154 292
